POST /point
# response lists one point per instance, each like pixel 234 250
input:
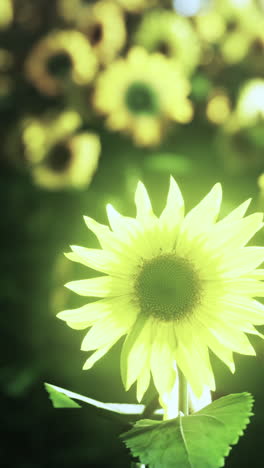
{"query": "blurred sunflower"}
pixel 250 105
pixel 72 10
pixel 176 286
pixel 58 59
pixel 141 94
pixel 70 163
pixel 241 140
pixel 241 149
pixel 6 13
pixel 136 6
pixel 235 27
pixel 96 23
pixel 218 107
pixel 58 154
pixel 165 32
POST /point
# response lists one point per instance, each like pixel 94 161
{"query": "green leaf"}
pixel 62 398
pixel 200 440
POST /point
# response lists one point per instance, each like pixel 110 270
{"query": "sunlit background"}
pixel 95 95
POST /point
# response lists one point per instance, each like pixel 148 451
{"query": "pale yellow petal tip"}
pixel 142 201
pixel 68 255
pixel 69 285
pixel 141 390
pixel 75 247
pixel 218 188
pixel 88 221
pixel 60 315
pixel 173 183
pixel 140 189
pixel 112 213
pixel 87 365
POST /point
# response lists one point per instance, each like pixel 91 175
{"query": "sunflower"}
pixel 96 23
pixel 176 286
pixel 218 107
pixel 57 151
pixel 241 147
pixel 165 32
pixel 58 58
pixel 71 10
pixel 250 105
pixel 69 164
pixel 6 13
pixel 236 28
pixel 141 94
pixel 136 6
pixel 241 140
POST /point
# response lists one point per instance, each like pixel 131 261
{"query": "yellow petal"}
pixel 236 214
pixel 162 359
pixel 236 234
pixel 88 313
pixel 143 204
pixel 100 260
pixel 233 339
pixel 200 218
pixel 244 286
pixel 100 287
pixel 174 209
pixel 100 230
pixel 243 308
pixel 135 351
pixel 193 358
pixel 241 261
pixel 97 355
pixel 103 333
pixel 143 382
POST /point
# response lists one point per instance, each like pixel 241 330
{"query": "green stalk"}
pixel 183 394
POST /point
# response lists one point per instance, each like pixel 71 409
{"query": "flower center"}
pixel 59 65
pixel 96 34
pixel 141 99
pixel 163 47
pixel 167 287
pixel 59 158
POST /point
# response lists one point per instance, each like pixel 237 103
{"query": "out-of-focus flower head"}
pixel 250 105
pixel 243 146
pixel 6 13
pixel 236 26
pixel 59 59
pixel 172 35
pixel 58 153
pixel 241 140
pixel 136 6
pixel 218 107
pixel 72 10
pixel 70 164
pixel 102 23
pixel 6 82
pixel 141 94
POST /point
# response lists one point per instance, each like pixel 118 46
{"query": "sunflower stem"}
pixel 183 393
